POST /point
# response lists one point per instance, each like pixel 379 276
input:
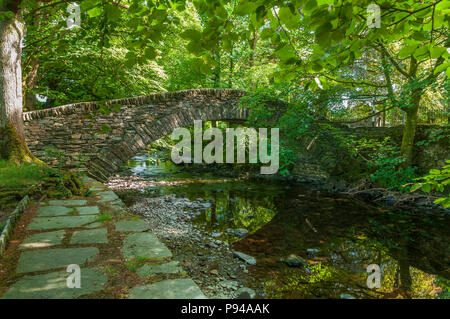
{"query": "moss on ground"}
pixel 35 180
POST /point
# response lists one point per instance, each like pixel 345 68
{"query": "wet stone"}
pixel 54 211
pixel 42 223
pixel 43 240
pixel 247 258
pixel 168 289
pixel 68 202
pixel 54 285
pixel 88 210
pixel 144 245
pixel 172 267
pixel 93 236
pixel 131 226
pixel 40 260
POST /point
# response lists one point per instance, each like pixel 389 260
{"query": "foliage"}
pixel 436 180
pixel 291 109
pixel 383 159
pixel 104 217
pixel 436 135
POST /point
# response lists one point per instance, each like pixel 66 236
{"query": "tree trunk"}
pixel 12 139
pixel 411 114
pixel 409 132
pixel 30 84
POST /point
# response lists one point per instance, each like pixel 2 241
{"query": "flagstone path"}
pixel 82 231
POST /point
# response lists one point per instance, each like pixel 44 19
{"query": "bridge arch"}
pixel 140 120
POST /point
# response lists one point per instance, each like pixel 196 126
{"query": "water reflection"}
pixel 337 236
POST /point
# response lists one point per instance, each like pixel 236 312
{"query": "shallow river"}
pixel 338 237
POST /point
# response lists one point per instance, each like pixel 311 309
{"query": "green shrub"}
pixel 436 180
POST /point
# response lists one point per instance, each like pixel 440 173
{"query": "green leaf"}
pixel 95 12
pixel 113 12
pixel 421 52
pixel 191 34
pixel 310 5
pixel 436 52
pixel 285 53
pixel 407 51
pixel 426 188
pixel 442 67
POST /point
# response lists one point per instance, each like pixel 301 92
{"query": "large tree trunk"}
pixel 12 140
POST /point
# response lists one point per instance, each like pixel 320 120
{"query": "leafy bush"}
pixel 437 180
pixel 383 159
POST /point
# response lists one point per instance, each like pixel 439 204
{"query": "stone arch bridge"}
pixel 75 129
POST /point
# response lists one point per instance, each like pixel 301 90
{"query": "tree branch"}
pixel 394 63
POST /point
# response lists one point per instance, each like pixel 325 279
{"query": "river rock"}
pixel 240 232
pixel 245 293
pixel 247 258
pixel 295 261
pixel 312 251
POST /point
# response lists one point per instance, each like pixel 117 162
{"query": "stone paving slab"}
pixel 38 260
pixel 43 223
pixel 68 202
pixel 172 267
pixel 107 196
pixel 97 188
pixel 54 285
pixel 54 211
pixel 88 210
pixel 92 236
pixel 144 245
pixel 131 226
pixel 93 225
pixel 43 240
pixel 168 289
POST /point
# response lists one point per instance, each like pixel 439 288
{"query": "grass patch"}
pixel 20 176
pixel 135 263
pixel 72 212
pixel 105 216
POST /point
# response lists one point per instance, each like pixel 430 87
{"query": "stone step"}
pixel 184 288
pixel 39 260
pixel 43 240
pixel 45 223
pixel 144 245
pixel 54 285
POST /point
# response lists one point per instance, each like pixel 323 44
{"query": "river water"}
pixel 336 237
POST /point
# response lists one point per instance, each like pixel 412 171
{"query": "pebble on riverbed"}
pixel 206 259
